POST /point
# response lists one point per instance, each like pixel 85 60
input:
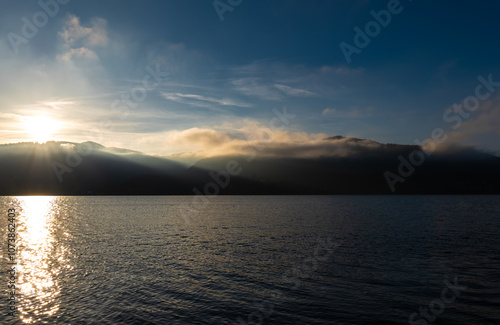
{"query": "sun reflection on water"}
pixel 40 259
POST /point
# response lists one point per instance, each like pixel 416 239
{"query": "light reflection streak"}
pixel 40 260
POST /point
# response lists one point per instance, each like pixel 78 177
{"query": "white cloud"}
pixel 244 137
pixel 293 91
pixel 270 80
pixel 79 53
pixel 93 35
pixel 253 87
pixel 202 101
pixel 79 40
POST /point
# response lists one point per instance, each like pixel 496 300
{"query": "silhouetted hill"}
pixel 29 168
pixel 64 168
pixel 364 170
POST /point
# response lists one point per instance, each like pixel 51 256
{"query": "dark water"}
pixel 255 260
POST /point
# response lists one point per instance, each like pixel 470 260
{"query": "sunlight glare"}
pixel 41 128
pixel 40 259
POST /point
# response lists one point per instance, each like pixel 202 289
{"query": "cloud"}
pixel 58 103
pixel 205 137
pixel 329 111
pixel 293 91
pixel 353 112
pixel 93 35
pixel 253 87
pixel 274 81
pixel 79 53
pixel 248 137
pixel 79 41
pixel 182 141
pixel 202 101
pixel 484 121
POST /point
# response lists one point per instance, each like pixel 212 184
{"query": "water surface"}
pixel 253 259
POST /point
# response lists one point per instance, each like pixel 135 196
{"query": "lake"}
pixel 251 260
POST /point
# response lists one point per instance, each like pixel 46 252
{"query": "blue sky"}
pixel 226 77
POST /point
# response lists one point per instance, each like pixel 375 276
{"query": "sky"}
pixel 169 77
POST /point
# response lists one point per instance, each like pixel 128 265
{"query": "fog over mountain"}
pixel 335 165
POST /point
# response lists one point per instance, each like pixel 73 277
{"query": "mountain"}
pixel 369 167
pixel 66 168
pixel 361 167
pixel 70 168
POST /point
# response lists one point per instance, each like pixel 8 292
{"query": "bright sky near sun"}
pixel 165 77
pixel 41 128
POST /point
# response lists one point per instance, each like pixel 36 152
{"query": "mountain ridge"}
pixel 90 168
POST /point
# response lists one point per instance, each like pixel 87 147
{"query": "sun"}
pixel 41 128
